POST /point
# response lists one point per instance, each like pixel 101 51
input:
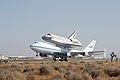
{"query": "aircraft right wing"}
pixel 96 51
pixel 74 53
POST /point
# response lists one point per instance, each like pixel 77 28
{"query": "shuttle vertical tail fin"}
pixel 73 35
pixel 91 46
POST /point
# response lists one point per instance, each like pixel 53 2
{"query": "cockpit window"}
pixel 35 42
pixel 49 34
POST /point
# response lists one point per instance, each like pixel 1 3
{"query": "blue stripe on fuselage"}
pixel 62 50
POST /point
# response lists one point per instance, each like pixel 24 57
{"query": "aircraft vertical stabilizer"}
pixel 91 46
pixel 73 35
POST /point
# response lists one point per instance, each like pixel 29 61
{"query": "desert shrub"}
pixel 93 66
pixel 69 67
pixel 112 71
pixel 73 76
pixel 7 75
pixel 86 76
pixel 13 67
pixel 75 63
pixel 56 68
pixel 44 70
pixel 99 78
pixel 94 73
pixel 93 70
pixel 118 78
pixel 18 75
pixel 30 77
pixel 58 76
pixel 106 61
pixel 78 69
pixel 82 61
pixel 28 69
pixel 81 67
pixel 17 67
pixel 61 69
pixel 99 62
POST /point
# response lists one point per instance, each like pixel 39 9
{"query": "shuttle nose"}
pixel 46 38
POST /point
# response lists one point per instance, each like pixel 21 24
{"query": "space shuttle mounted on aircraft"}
pixel 62 42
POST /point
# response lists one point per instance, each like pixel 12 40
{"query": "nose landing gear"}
pixel 37 54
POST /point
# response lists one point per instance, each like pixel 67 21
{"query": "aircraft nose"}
pixel 31 46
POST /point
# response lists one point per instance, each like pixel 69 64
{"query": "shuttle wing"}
pixel 67 45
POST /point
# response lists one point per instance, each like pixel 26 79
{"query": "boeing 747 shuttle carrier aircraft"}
pixel 44 49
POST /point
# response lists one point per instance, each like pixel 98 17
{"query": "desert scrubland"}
pixel 72 70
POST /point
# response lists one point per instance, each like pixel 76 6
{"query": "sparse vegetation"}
pixel 99 62
pixel 118 78
pixel 112 71
pixel 86 76
pixel 78 70
pixel 92 69
pixel 28 69
pixel 73 76
pixel 44 70
pixel 30 77
pixel 7 75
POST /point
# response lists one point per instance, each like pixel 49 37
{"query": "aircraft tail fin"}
pixel 73 35
pixel 91 46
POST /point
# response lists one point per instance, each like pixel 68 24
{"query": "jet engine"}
pixel 43 55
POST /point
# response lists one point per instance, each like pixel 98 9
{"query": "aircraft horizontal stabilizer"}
pixel 96 52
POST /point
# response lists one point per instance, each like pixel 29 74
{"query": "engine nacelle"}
pixel 43 55
pixel 88 54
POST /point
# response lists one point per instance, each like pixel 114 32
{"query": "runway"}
pixel 51 60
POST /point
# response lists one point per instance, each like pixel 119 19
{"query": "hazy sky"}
pixel 25 21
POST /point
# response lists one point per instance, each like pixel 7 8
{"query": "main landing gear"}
pixel 61 59
pixel 54 59
pixel 61 56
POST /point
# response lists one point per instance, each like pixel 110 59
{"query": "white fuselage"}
pixel 45 48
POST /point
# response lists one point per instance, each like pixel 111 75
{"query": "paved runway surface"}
pixel 51 60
